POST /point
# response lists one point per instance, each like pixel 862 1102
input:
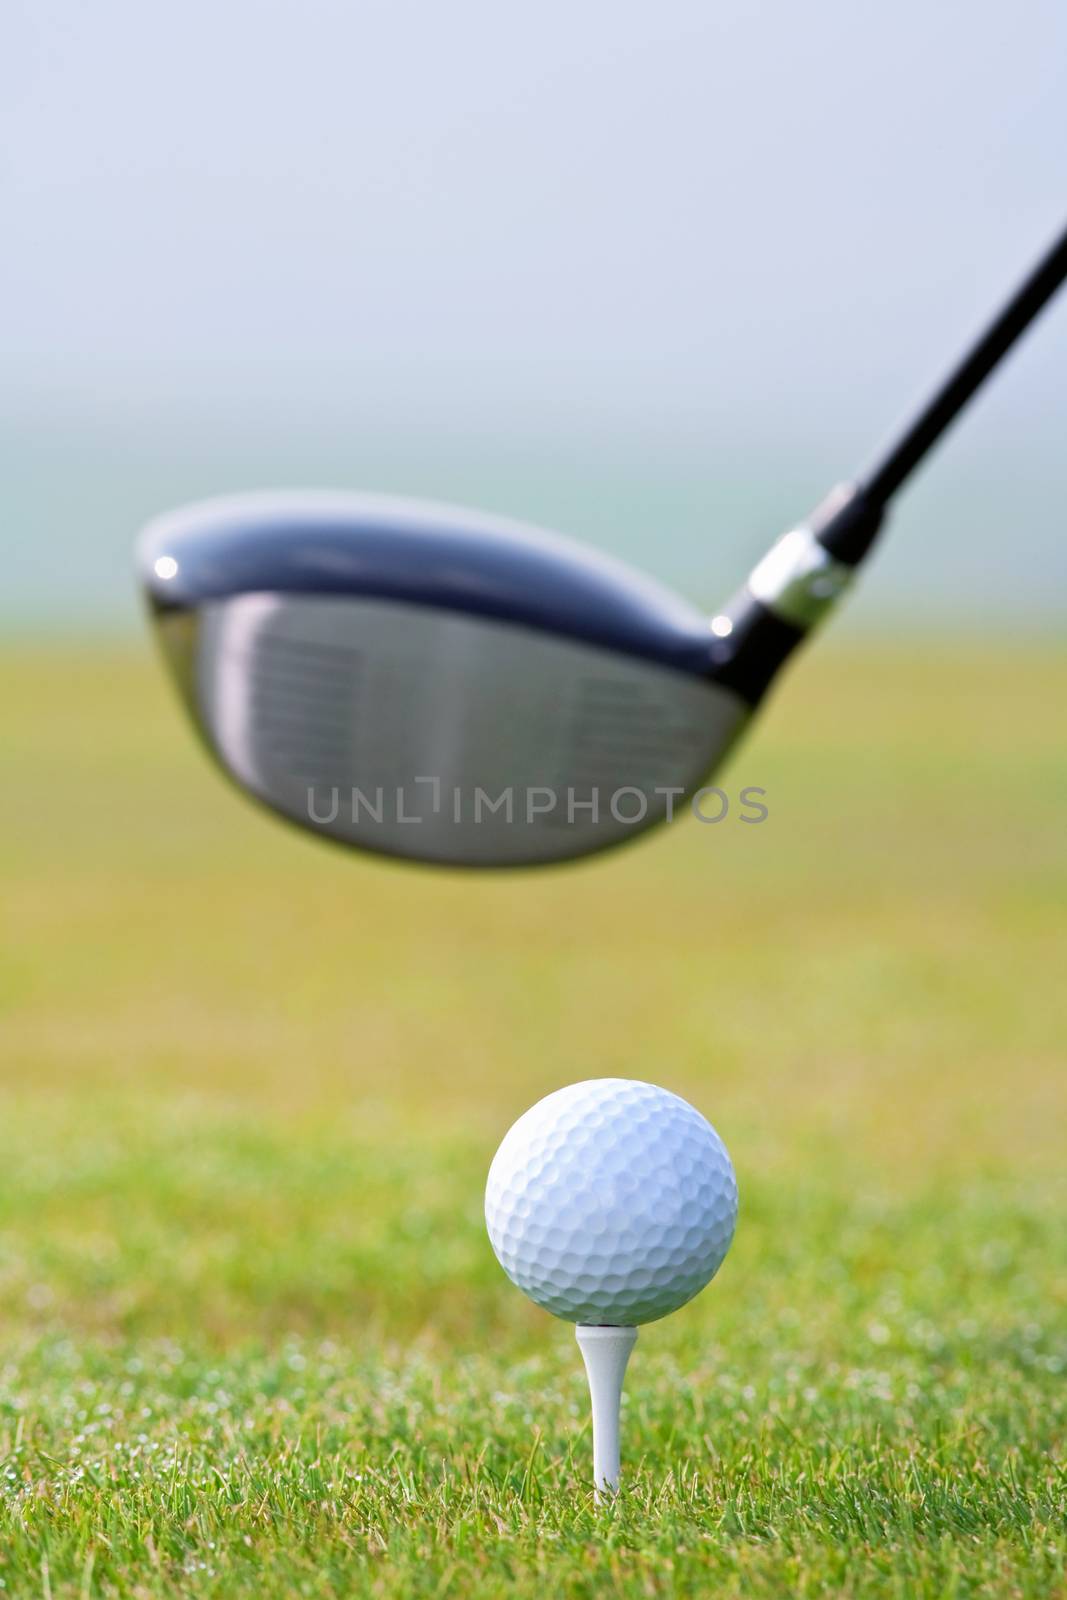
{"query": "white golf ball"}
pixel 611 1202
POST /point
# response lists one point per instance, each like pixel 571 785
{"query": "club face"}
pixel 491 697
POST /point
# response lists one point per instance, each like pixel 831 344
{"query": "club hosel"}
pixel 791 590
pixel 846 523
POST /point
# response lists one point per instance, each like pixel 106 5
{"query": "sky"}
pixel 656 276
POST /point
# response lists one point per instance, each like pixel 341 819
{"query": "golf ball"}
pixel 611 1202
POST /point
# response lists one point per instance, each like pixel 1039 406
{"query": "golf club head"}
pixel 432 683
pixel 444 686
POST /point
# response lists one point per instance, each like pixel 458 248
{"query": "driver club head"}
pixel 432 683
pixel 436 684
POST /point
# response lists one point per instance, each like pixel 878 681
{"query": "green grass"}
pixel 252 1338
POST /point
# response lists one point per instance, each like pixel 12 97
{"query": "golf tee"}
pixel 605 1352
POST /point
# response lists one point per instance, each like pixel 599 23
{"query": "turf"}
pixel 252 1338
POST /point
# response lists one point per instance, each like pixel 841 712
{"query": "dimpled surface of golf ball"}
pixel 612 1202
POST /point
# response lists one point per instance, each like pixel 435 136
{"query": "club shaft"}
pixel 881 481
pixel 801 578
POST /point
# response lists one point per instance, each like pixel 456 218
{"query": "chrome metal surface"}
pixel 798 580
pixel 440 736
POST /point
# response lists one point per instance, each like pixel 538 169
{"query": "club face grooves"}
pixel 327 698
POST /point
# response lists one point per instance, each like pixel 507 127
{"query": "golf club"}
pixel 434 684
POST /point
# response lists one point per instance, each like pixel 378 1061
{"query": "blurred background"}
pixel 655 276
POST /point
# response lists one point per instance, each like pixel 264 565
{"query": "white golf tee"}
pixel 605 1352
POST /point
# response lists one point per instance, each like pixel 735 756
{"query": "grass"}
pixel 252 1338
